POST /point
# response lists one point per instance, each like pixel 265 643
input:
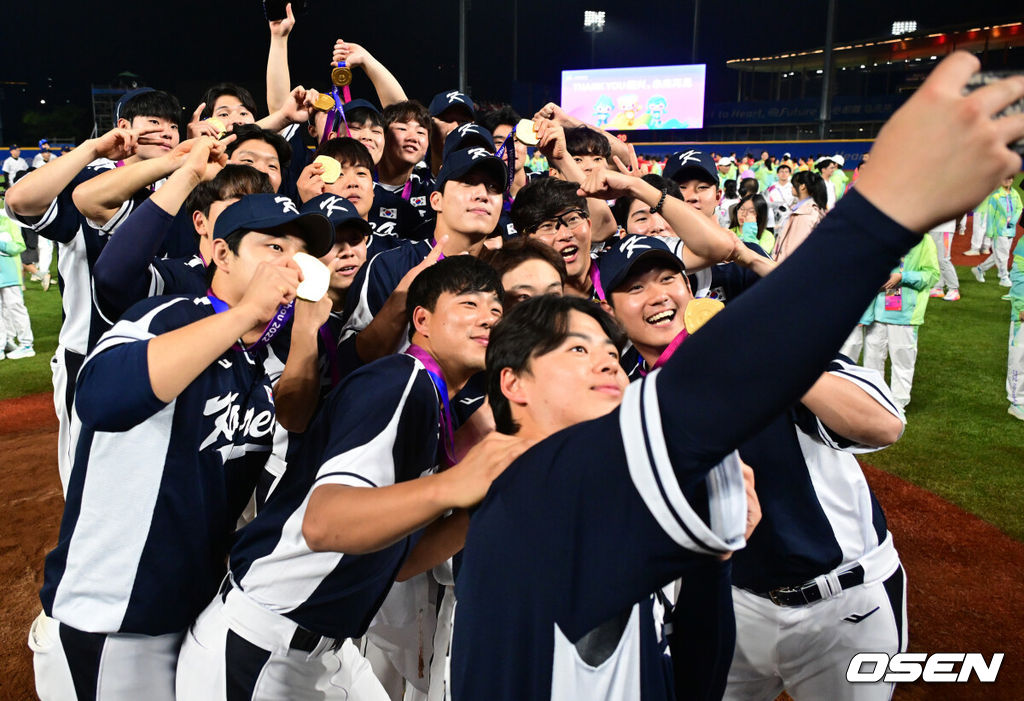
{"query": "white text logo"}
pixel 911 666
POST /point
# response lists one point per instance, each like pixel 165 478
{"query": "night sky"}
pixel 186 46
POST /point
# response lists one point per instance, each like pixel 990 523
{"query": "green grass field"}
pixel 960 443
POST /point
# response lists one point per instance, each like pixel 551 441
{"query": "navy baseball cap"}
pixel 615 263
pixel 361 103
pixel 449 98
pixel 459 163
pixel 269 213
pixel 339 211
pixel 685 165
pixel 464 136
pixel 125 98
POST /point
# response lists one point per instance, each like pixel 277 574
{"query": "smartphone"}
pixel 274 9
pixel 984 78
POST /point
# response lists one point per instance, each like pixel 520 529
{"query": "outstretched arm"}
pixel 32 195
pixel 845 261
pixel 389 90
pixel 278 79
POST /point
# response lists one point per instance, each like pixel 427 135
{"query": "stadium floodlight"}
pixel 593 20
pixel 903 27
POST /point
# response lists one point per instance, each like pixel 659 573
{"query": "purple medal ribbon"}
pixel 336 115
pixel 331 348
pixel 278 322
pixel 511 163
pixel 434 370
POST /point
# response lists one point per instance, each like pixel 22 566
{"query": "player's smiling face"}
pixel 349 250
pixel 261 156
pixel 650 306
pixel 572 243
pixel 407 142
pixel 459 329
pixel 157 143
pixel 356 185
pixel 470 205
pixel 579 380
pixel 643 222
pixel 369 135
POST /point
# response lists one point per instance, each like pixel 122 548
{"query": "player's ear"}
pixel 221 255
pixel 435 200
pixel 512 387
pixel 199 221
pixel 123 123
pixel 421 317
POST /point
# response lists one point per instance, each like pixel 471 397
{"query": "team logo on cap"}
pixel 453 96
pixel 633 245
pixel 420 201
pixel 479 152
pixel 467 128
pixel 334 204
pixel 389 212
pixel 687 156
pixel 286 205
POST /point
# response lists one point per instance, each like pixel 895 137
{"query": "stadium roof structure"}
pixel 919 46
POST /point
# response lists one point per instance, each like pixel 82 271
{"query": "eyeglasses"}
pixel 571 220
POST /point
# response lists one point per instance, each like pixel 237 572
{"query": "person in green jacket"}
pixel 15 326
pixel 749 219
pixel 1002 211
pixel 891 322
pixel 839 177
pixel 1015 357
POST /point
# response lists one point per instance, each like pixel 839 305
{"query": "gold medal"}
pixel 323 102
pixel 526 133
pixel 341 76
pixel 699 312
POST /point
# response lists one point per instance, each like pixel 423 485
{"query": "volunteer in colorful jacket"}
pixel 891 322
pixel 1002 211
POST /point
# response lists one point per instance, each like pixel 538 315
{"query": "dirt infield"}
pixel 964 576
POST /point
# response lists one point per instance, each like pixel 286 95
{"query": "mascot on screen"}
pixel 629 111
pixel 654 118
pixel 603 109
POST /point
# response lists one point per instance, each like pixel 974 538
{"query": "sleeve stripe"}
pixel 880 394
pixel 125 331
pixel 353 475
pixel 652 474
pixel 727 523
pixel 115 221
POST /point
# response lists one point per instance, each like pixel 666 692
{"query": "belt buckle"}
pixel 773 594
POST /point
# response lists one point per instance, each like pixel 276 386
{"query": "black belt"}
pixel 808 592
pixel 303 640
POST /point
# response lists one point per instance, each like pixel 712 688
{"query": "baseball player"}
pixel 615 500
pixel 147 123
pixel 360 506
pixel 790 634
pixel 176 417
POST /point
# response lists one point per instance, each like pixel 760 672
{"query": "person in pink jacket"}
pixel 807 212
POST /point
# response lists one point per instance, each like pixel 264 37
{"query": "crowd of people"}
pixel 401 416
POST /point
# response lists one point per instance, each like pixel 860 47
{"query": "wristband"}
pixel 656 209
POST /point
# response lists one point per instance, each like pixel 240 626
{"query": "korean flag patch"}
pixel 420 201
pixel 388 213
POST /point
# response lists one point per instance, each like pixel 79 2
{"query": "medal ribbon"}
pixel 331 348
pixel 511 162
pixel 667 353
pixel 336 115
pixel 595 278
pixel 278 322
pixel 434 370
